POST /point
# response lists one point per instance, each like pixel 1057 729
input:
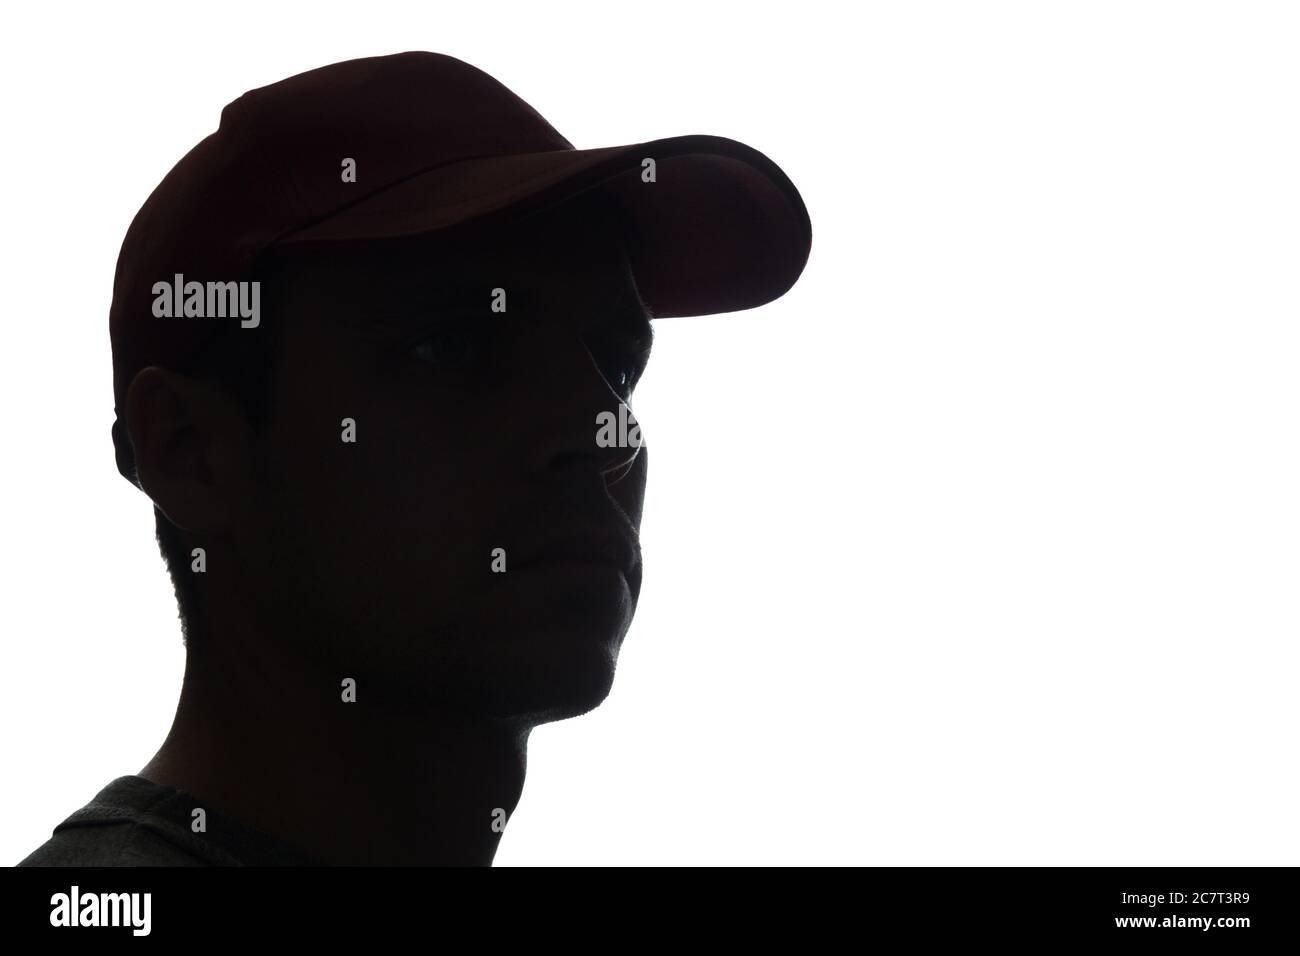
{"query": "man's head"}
pixel 391 474
pixel 475 450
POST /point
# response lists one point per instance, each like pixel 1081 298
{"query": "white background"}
pixel 985 548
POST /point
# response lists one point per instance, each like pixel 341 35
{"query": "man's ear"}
pixel 193 448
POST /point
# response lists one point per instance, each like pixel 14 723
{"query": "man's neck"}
pixel 274 746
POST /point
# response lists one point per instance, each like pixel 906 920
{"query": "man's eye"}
pixel 633 367
pixel 621 372
pixel 620 365
pixel 449 348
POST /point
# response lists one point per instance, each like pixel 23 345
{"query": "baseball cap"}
pixel 421 143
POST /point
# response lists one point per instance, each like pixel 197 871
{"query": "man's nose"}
pixel 579 415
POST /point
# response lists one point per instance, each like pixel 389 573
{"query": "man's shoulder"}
pixel 118 827
pixel 136 822
pixel 111 844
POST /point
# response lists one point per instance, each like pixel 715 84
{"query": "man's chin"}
pixel 553 669
pixel 556 678
pixel 576 684
pixel 539 648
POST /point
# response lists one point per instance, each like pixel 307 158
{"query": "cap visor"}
pixel 721 228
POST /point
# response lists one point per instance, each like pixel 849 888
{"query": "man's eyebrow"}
pixel 385 306
pixel 413 308
pixel 642 314
pixel 643 329
pixel 631 318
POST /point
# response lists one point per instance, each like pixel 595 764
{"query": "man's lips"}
pixel 606 548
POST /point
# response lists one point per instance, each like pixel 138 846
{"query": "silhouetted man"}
pixel 374 344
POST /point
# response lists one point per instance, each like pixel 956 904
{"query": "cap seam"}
pixel 399 182
pixel 246 108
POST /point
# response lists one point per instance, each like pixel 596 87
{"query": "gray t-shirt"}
pixel 136 822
